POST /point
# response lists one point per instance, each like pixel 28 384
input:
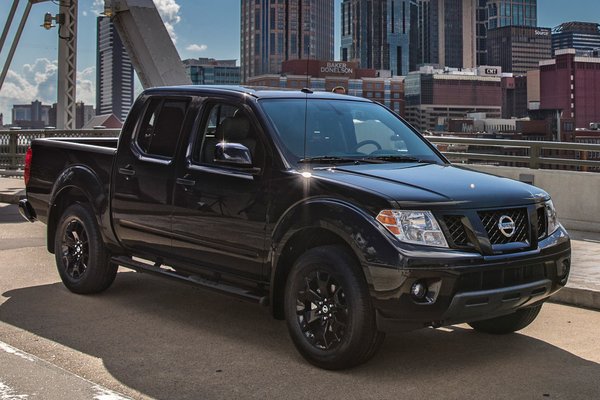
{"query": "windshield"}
pixel 340 131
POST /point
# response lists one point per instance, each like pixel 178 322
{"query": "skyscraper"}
pixel 511 13
pixel 277 31
pixel 518 49
pixel 114 72
pixel 582 36
pixel 381 34
pixel 453 25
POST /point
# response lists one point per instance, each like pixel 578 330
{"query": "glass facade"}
pixel 511 13
pixel 584 36
pixel 381 34
pixel 273 31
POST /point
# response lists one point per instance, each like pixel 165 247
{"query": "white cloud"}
pixel 38 81
pixel 197 47
pixel 168 10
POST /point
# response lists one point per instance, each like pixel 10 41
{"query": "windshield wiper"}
pixel 332 160
pixel 395 158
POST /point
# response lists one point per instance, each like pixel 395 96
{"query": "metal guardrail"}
pixel 526 153
pixel 14 144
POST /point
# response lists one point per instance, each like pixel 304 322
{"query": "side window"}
pixel 161 127
pixel 229 123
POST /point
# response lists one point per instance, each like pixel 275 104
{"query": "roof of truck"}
pixel 257 92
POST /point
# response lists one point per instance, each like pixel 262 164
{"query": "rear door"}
pixel 219 218
pixel 143 178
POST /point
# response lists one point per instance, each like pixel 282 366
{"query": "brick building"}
pixel 434 96
pixel 571 83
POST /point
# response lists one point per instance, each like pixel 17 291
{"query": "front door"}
pixel 219 216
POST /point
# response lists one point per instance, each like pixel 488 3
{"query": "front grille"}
pixel 541 222
pixel 456 229
pixel 491 219
pixel 501 277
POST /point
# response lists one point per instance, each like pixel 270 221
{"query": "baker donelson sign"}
pixel 336 68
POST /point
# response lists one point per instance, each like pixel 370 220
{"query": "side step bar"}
pixel 198 281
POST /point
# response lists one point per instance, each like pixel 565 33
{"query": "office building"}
pixel 518 49
pixel 571 83
pixel 584 36
pixel 434 96
pixel 481 21
pixel 31 116
pixel 502 13
pixel 114 72
pixel 277 31
pixel 208 71
pixel 453 30
pixel 381 34
pixel 514 96
pixel 326 75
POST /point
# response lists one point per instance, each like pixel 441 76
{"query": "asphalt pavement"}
pixel 146 337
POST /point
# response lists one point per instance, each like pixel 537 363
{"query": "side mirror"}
pixel 232 154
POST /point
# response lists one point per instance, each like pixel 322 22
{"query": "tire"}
pixel 507 323
pixel 335 330
pixel 81 257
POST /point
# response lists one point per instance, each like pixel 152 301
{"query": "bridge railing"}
pixel 520 153
pixel 14 143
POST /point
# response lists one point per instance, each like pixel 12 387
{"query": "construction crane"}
pixel 150 48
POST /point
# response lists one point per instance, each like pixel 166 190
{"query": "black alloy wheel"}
pixel 322 311
pixel 82 260
pixel 328 309
pixel 75 249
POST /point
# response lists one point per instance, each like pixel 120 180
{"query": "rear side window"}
pixel 161 126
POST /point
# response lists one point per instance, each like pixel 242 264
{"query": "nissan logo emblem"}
pixel 506 225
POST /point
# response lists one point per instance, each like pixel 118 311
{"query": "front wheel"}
pixel 328 309
pixel 81 258
pixel 508 323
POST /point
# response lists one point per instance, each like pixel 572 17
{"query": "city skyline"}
pixel 200 30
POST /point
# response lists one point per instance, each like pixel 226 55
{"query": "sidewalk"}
pixel 583 289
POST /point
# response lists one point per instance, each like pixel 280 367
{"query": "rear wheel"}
pixel 328 309
pixel 508 323
pixel 81 258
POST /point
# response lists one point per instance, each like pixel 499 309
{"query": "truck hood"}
pixel 412 184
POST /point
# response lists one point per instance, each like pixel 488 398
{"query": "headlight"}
pixel 418 227
pixel 551 217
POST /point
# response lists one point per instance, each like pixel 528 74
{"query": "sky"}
pixel 199 28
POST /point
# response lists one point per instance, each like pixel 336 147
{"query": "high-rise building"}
pixel 481 32
pixel 208 71
pixel 518 49
pixel 381 34
pixel 114 72
pixel 277 31
pixel 502 13
pixel 571 83
pixel 576 35
pixel 453 29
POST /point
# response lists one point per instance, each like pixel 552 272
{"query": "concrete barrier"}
pixel 576 195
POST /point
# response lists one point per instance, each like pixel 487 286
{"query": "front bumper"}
pixel 469 289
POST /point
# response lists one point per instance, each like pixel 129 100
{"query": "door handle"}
pixel 127 170
pixel 185 182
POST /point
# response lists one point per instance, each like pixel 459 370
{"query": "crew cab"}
pixel 329 209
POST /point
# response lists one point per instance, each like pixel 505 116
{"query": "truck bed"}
pixel 52 158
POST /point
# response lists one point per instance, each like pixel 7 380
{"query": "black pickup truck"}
pixel 329 209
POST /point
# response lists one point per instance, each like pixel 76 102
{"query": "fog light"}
pixel 418 290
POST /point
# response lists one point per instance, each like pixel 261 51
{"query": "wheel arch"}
pixel 78 184
pixel 320 222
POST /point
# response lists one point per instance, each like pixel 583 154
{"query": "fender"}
pixel 369 241
pixel 87 182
